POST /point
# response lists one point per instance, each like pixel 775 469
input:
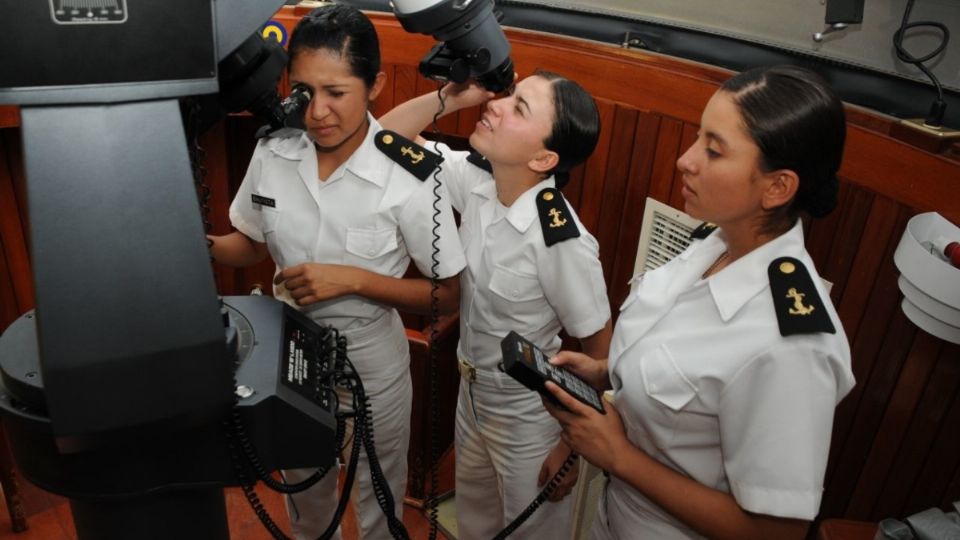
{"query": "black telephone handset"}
pixel 526 363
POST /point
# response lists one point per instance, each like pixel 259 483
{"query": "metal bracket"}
pixel 632 41
pixel 835 27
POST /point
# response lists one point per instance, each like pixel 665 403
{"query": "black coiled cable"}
pixel 363 432
pixel 340 363
pixel 937 109
pixel 434 422
pixel 234 437
pixel 540 499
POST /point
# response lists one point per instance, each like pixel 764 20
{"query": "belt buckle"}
pixel 467 371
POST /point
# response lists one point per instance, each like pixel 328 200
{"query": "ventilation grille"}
pixel 664 234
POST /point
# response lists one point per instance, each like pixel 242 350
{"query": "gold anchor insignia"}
pixel 414 156
pixel 798 307
pixel 557 222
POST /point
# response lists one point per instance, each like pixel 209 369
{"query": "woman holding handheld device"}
pixel 727 362
pixel 342 214
pixel 531 268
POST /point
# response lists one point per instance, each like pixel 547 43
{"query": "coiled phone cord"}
pixel 434 422
pixel 540 499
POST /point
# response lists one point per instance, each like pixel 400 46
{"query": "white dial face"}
pixel 88 11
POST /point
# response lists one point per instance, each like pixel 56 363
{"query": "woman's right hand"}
pixel 593 371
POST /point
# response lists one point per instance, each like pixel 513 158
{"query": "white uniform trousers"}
pixel 503 436
pixel 600 528
pixel 381 355
pixel 611 522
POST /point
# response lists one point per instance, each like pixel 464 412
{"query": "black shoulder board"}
pixel 476 159
pixel 799 308
pixel 416 159
pixel 555 218
pixel 703 231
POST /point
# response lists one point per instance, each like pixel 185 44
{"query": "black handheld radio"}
pixel 526 363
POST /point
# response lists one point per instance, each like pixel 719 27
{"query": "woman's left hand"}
pixel 466 94
pixel 310 283
pixel 597 437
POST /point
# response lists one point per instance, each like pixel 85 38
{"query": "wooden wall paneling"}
pixel 880 308
pixel 583 60
pixel 910 176
pixel 818 237
pixel 847 238
pixel 10 140
pixel 896 422
pixel 932 482
pixel 573 191
pixel 884 227
pixel 9 116
pixel 940 392
pixel 12 226
pixel 895 343
pixel 688 135
pixel 9 311
pixel 404 83
pixel 591 196
pixel 951 351
pixel 638 186
pixel 216 177
pixel 935 480
pixel 665 161
pixel 952 494
pixel 615 185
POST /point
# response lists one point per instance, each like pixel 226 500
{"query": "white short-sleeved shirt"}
pixel 370 213
pixel 706 384
pixel 514 281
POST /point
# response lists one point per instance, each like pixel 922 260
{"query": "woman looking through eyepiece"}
pixel 342 219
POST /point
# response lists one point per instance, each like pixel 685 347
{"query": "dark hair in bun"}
pixel 576 125
pixel 798 123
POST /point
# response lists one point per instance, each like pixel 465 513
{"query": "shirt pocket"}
pixel 664 382
pixel 371 244
pixel 514 286
pixel 269 220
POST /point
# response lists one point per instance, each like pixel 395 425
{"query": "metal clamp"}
pixel 835 27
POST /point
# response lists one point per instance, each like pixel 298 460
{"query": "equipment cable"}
pixel 432 502
pixel 938 108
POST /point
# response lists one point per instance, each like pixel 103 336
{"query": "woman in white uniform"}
pixel 341 220
pixel 727 363
pixel 531 268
